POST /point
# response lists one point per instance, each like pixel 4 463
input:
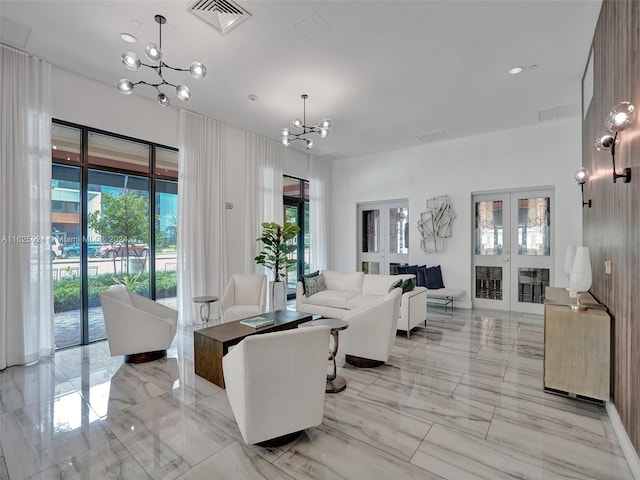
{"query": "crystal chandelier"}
pixel 321 129
pixel 154 53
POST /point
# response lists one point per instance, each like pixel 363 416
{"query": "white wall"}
pixel 86 102
pixel 542 155
pixel 546 154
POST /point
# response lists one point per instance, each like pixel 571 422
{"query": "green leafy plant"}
pixel 277 247
pixel 127 281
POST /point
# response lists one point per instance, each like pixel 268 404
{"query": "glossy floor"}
pixel 461 399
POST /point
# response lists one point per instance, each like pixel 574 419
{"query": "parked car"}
pixel 74 249
pixel 118 250
pixel 57 250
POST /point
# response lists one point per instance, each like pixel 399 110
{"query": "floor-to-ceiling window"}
pixel 114 215
pixel 296 211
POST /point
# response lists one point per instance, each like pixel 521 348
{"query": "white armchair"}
pixel 137 327
pixel 245 296
pixel 275 383
pixel 368 340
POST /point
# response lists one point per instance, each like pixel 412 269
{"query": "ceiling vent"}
pixel 221 14
pixel 434 136
pixel 555 113
pixel 13 33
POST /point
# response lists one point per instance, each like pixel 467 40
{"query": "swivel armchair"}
pixel 276 382
pixel 137 327
pixel 245 296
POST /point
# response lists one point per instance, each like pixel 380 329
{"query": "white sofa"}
pixel 348 291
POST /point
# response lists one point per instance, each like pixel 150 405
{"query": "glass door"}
pixel 491 256
pixel 532 261
pixel 512 258
pixel 383 230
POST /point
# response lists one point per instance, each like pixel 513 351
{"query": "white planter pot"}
pixel 277 295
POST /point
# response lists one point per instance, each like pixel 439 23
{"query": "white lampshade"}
pixel 568 259
pixel 580 272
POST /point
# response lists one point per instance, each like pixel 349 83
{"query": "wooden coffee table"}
pixel 212 343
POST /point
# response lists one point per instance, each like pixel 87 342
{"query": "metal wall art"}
pixel 435 224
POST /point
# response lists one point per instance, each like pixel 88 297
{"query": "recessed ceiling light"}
pixel 135 23
pixel 252 97
pixel 127 37
pixel 516 70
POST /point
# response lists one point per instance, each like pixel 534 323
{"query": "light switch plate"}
pixel 607 267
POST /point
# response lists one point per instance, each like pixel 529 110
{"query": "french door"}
pixel 513 255
pixel 383 233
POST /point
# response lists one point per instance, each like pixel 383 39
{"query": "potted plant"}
pixel 275 256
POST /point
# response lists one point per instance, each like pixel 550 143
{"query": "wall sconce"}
pixel 581 176
pixel 618 120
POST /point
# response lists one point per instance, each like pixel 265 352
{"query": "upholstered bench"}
pixel 444 296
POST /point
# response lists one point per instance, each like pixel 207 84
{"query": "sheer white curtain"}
pixel 202 246
pixel 263 193
pixel 26 301
pixel 319 212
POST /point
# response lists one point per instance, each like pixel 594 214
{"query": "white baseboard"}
pixel 625 442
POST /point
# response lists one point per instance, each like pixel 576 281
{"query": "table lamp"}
pixel 580 276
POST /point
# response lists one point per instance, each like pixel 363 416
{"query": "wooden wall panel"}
pixel 611 229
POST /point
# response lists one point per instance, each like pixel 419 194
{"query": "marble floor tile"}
pixel 75 362
pixel 41 435
pixel 587 455
pixel 167 437
pixel 449 362
pixel 532 402
pixel 25 385
pixel 454 455
pixel 417 373
pixel 234 462
pixel 109 392
pixel 109 460
pixel 389 430
pixel 461 398
pixel 458 412
pixel 178 378
pixel 513 359
pixel 328 454
pixel 359 378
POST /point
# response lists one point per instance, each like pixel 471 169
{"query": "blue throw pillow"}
pixel 434 278
pixel 421 277
pixel 307 275
pixel 404 269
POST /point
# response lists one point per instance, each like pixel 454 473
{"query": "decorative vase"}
pixel 580 273
pixel 277 295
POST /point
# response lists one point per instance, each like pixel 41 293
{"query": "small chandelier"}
pixel 154 53
pixel 321 129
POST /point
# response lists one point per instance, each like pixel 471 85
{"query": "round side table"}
pixel 335 383
pixel 205 308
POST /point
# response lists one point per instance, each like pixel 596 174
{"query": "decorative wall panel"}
pixel 611 228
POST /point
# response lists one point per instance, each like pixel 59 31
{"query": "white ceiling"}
pixel 385 72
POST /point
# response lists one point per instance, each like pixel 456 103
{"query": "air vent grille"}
pixel 221 14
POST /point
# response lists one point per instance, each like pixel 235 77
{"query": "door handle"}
pixel 506 259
